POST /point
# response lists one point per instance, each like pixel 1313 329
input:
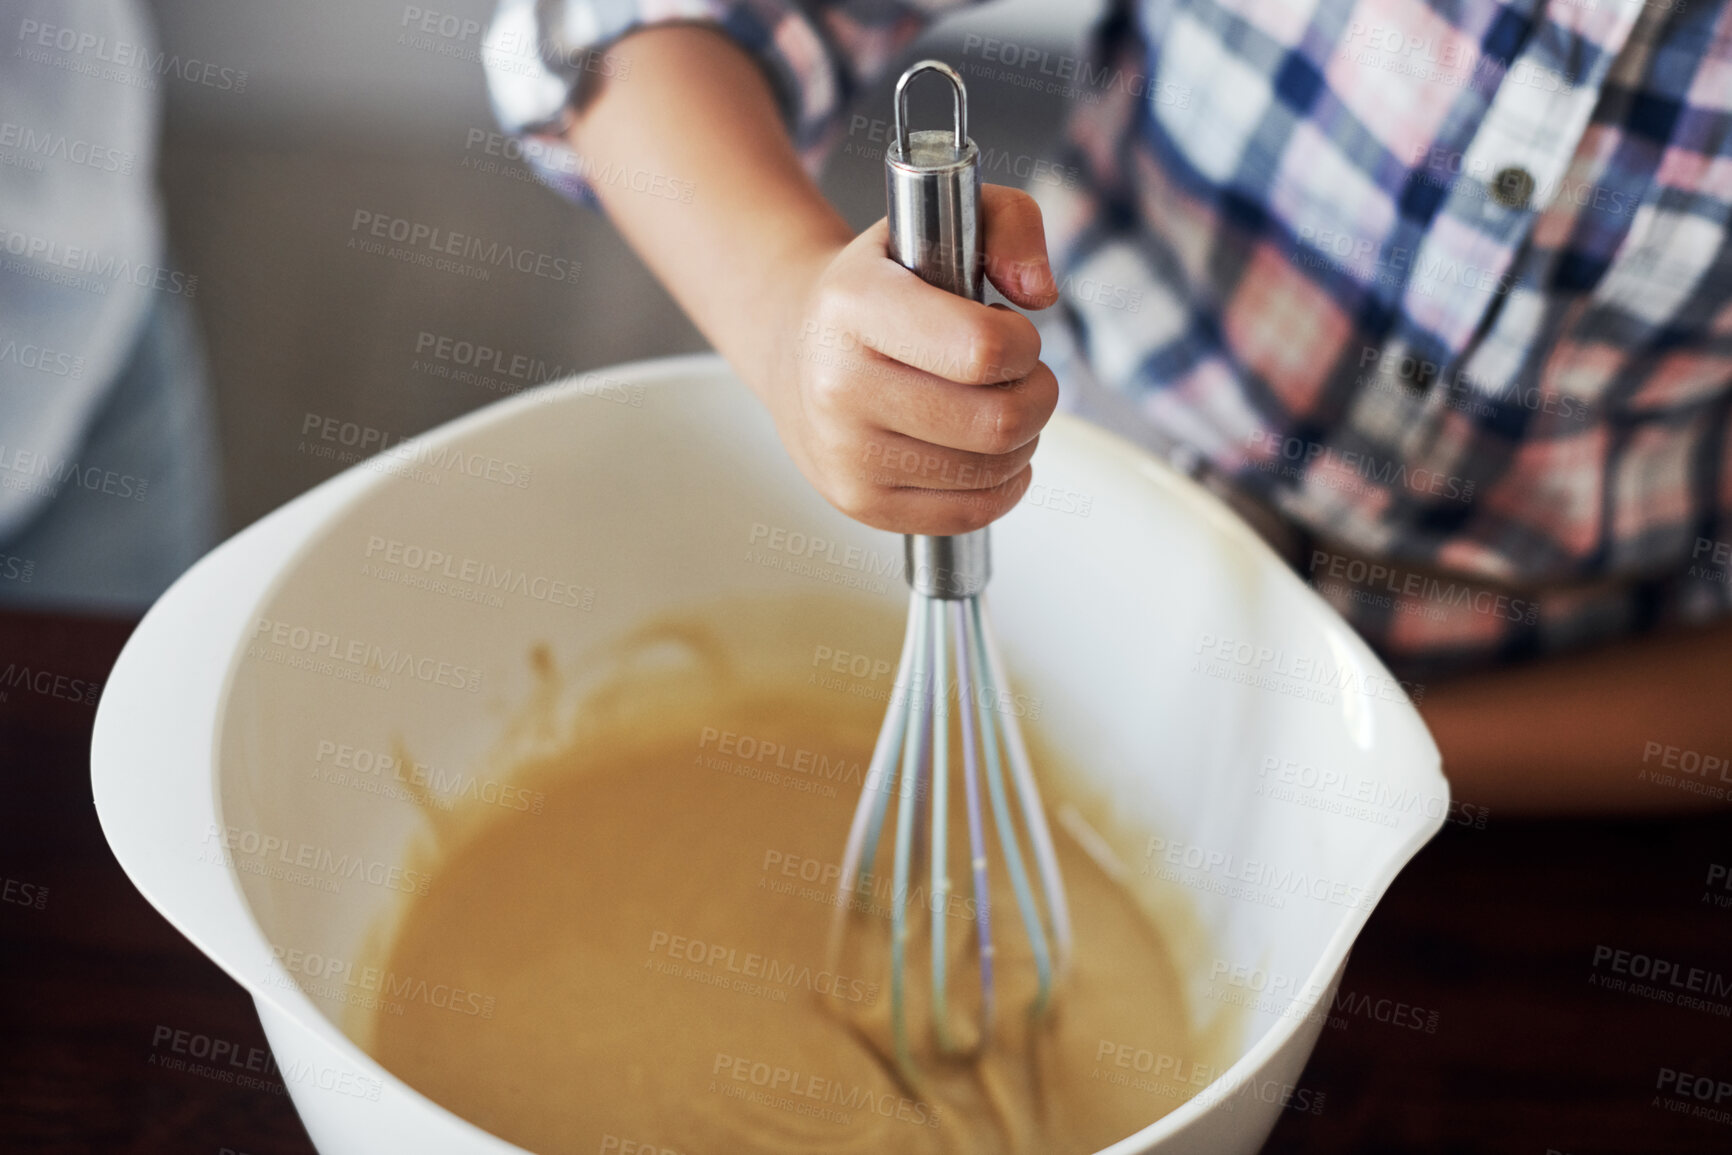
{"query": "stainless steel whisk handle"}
pixel 932 185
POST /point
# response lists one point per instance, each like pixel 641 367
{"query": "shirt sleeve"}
pixel 542 57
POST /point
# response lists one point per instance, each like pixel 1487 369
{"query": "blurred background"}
pixel 349 107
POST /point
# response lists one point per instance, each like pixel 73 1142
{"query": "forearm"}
pixel 1576 734
pixel 696 108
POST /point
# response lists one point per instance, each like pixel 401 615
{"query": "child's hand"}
pixel 909 408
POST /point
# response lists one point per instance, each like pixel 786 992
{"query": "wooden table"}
pixel 1490 937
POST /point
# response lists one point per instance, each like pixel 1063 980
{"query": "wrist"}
pixel 778 309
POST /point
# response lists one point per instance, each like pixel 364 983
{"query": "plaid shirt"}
pixel 1443 282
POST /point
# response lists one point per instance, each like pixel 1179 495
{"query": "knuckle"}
pixel 834 297
pixel 1000 427
pixel 1009 418
pixel 988 346
pixel 828 387
pixel 845 297
pixel 853 496
pixel 835 311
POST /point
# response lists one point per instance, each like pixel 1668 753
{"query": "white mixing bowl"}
pixel 1275 776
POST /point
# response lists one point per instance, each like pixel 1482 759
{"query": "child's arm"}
pixel 1593 732
pixel 775 279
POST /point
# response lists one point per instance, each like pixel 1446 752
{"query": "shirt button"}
pixel 1513 187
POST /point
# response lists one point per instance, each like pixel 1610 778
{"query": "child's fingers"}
pixel 872 301
pixel 895 461
pixel 881 393
pixel 1015 243
pixel 940 512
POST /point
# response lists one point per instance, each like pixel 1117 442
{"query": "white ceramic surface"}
pixel 1273 775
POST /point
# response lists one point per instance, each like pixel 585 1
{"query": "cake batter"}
pixel 650 951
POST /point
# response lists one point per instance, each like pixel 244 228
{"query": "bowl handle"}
pixel 153 753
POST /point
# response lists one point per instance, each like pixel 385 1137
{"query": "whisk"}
pixel 948 685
